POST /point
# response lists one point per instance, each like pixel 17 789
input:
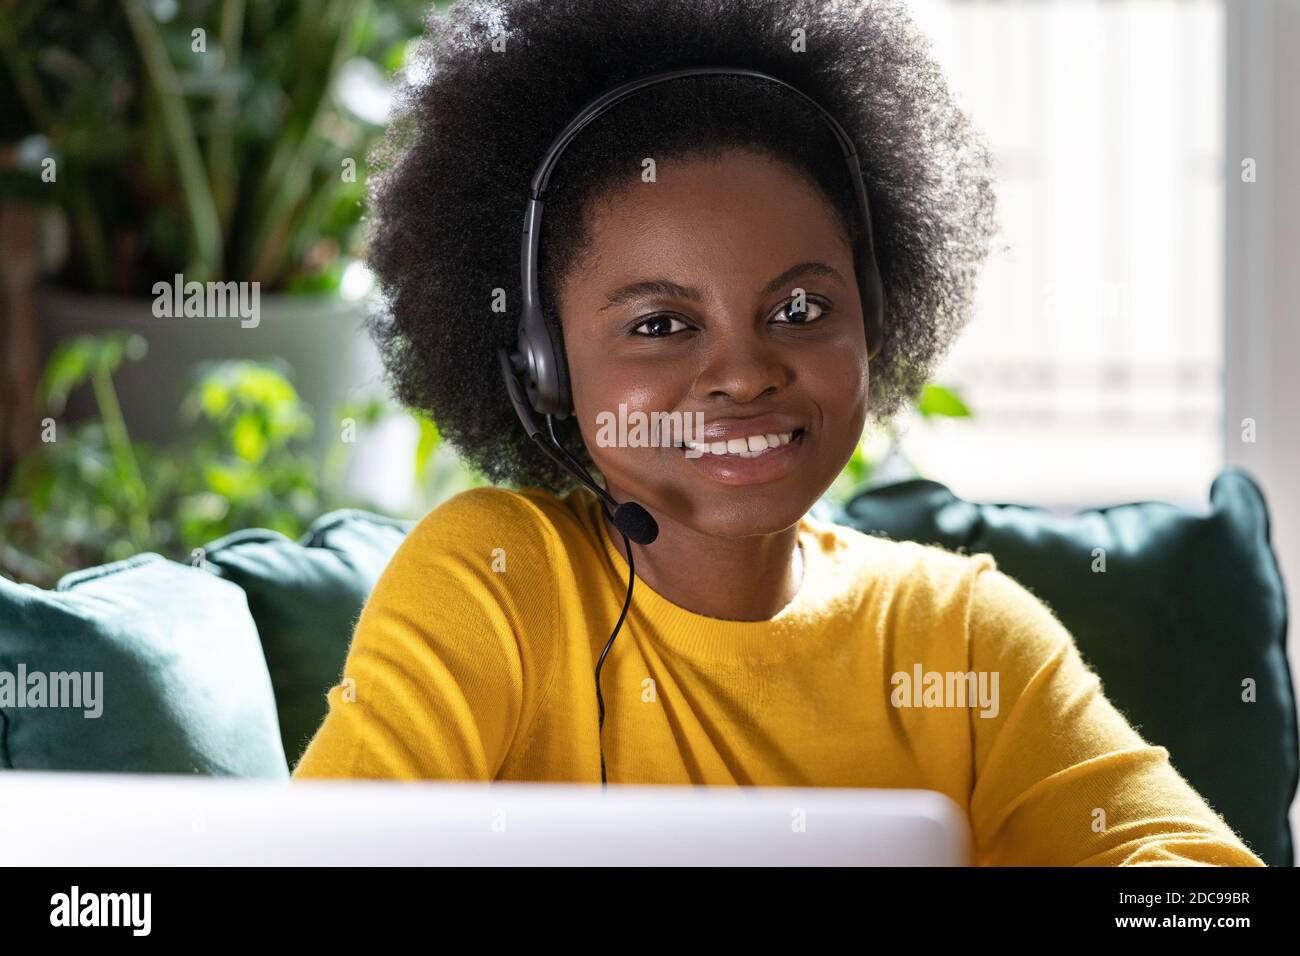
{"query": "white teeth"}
pixel 749 447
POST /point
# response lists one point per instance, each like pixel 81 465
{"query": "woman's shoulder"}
pixel 920 581
pixel 530 523
pixel 911 565
pixel 489 501
pixel 482 549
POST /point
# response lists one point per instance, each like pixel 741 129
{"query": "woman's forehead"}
pixel 737 213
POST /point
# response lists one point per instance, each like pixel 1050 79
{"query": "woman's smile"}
pixel 745 451
pixel 770 464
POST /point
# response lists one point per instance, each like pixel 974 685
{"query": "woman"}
pixel 699 259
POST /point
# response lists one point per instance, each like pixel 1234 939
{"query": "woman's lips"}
pixel 753 466
pixel 769 423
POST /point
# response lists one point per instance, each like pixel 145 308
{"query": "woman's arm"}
pixel 442 674
pixel 1061 778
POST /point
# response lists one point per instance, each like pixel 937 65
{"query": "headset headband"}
pixel 540 356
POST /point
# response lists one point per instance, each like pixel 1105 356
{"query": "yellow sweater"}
pixel 473 660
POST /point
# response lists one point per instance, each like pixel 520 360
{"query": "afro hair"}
pixel 493 82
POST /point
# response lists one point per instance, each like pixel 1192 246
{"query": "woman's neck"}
pixel 736 579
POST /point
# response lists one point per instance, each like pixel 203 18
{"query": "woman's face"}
pixel 688 304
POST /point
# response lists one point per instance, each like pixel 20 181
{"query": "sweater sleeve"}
pixel 1061 778
pixel 442 675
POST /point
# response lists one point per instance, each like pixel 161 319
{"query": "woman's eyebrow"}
pixel 668 289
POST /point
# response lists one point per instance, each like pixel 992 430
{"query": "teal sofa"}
pixel 220 667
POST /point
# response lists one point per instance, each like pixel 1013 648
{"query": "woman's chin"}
pixel 743 513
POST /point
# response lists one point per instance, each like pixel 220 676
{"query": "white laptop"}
pixel 77 819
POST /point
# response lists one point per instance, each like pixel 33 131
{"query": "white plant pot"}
pixel 321 337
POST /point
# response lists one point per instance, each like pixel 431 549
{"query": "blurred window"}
pixel 1094 363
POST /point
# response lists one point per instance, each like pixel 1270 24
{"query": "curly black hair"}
pixel 494 81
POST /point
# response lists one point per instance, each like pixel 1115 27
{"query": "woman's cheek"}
pixel 839 388
pixel 608 413
pixel 839 378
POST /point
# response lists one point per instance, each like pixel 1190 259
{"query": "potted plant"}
pixel 206 159
pixel 91 493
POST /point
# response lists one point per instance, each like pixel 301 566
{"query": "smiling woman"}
pixel 702 258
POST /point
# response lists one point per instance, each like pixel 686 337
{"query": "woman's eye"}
pixel 811 313
pixel 659 325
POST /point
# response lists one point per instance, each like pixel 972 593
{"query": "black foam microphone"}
pixel 635 522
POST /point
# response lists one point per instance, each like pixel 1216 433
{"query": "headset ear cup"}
pixel 547 372
pixel 560 363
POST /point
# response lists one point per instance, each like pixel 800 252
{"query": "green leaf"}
pixel 262 385
pixel 248 438
pixel 203 507
pixel 937 401
pixel 425 447
pixel 67 368
pixel 366 410
pixel 222 479
pixel 76 359
pixel 858 467
pixel 214 397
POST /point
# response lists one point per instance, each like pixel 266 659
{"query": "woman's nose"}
pixel 741 365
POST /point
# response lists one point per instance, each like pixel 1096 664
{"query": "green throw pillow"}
pixel 1190 607
pixel 140 666
pixel 306 597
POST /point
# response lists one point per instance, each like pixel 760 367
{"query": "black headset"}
pixel 536 374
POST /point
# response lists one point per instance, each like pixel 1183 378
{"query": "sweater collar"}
pixel 827 596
